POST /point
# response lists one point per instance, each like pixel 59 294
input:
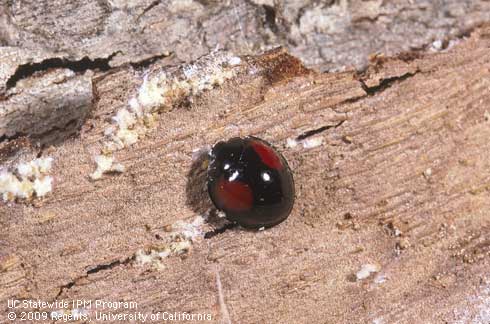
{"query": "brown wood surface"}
pixel 50 49
pixel 401 180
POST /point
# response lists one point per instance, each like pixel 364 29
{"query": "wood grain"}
pixel 400 180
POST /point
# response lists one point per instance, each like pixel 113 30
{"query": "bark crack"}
pixel 386 83
pixel 149 61
pixel 318 131
pixel 97 268
pixel 26 70
pixel 150 6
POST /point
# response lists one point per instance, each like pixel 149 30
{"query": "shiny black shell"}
pixel 250 182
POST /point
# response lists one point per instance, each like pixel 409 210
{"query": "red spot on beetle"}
pixel 234 195
pixel 267 155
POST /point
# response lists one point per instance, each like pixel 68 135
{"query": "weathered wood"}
pixel 51 48
pixel 400 180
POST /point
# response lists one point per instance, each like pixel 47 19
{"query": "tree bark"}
pixel 50 49
pixel 391 166
pixel 391 169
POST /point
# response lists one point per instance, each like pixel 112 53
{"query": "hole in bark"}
pixel 270 18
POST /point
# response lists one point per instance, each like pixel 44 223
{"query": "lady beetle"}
pixel 250 182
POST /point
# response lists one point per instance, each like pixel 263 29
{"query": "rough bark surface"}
pixel 50 48
pixel 399 178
